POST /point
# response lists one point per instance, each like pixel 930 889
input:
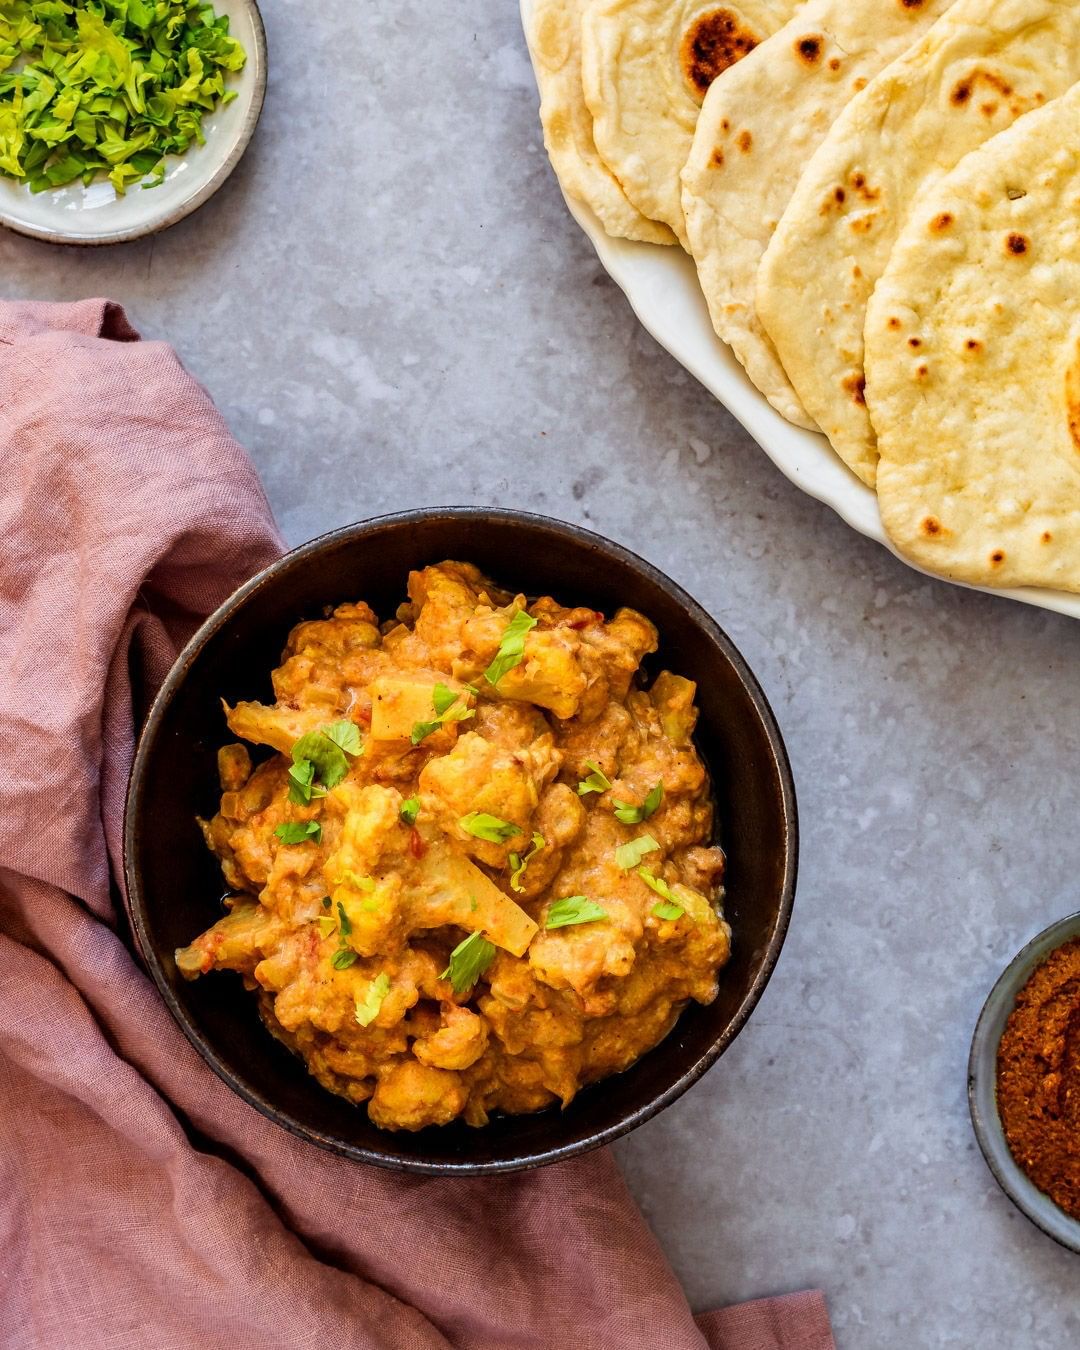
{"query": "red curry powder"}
pixel 1038 1077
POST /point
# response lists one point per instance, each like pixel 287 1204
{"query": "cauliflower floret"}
pixel 411 1095
pixel 478 777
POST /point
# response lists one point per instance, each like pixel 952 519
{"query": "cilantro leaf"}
pixel 302 783
pixel 597 781
pixel 410 809
pixel 345 734
pixel 367 1008
pixel 343 958
pixel 468 961
pixel 422 730
pixel 299 831
pixel 573 909
pixel 443 698
pixel 670 904
pixel 488 827
pixel 328 758
pixel 519 862
pixel 447 708
pixel 511 651
pixel 346 923
pixel 629 855
pixel 634 815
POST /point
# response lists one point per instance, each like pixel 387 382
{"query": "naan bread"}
pixel 973 363
pixel 758 127
pixel 983 64
pixel 555 41
pixel 646 66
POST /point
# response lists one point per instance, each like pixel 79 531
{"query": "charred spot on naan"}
pixel 964 91
pixel 713 43
pixel 809 49
pixel 1017 244
pixel 931 528
pixel 855 387
pixel 943 221
pixel 1072 398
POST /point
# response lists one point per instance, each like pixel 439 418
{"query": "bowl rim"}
pixel 259 60
pixel 299 557
pixel 1033 1203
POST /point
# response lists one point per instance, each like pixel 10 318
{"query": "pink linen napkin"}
pixel 142 1203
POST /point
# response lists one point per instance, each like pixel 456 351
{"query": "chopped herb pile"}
pixel 91 87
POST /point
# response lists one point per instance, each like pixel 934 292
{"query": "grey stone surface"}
pixel 393 308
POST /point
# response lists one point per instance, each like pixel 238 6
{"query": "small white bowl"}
pixel 96 215
pixel 982 1087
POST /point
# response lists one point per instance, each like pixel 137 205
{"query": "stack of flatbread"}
pixel 882 199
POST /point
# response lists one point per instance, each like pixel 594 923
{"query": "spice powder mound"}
pixel 1038 1078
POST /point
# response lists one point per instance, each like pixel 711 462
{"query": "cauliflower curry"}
pixel 474 874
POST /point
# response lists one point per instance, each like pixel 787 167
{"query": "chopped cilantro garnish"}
pixel 443 698
pixel 670 904
pixel 88 90
pixel 410 809
pixel 573 909
pixel 634 815
pixel 343 958
pixel 326 902
pixel 327 924
pixel 519 862
pixel 597 781
pixel 299 831
pixel 302 783
pixel 629 855
pixel 491 828
pixel 346 924
pixel 447 709
pixel 511 651
pixel 422 730
pixel 468 961
pixel 345 734
pixel 367 1008
pixel 327 758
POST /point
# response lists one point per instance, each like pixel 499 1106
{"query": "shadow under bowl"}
pixel 174 884
pixel 982 1087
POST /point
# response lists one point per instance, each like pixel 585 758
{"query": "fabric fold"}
pixel 144 1203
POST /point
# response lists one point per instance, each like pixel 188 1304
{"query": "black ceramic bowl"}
pixel 174 884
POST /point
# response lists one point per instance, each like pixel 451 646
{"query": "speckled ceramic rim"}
pixel 258 60
pixel 299 557
pixel 982 1087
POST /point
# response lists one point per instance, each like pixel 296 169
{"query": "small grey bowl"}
pixel 982 1087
